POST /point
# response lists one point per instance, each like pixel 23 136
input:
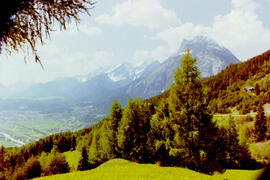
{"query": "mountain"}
pixel 145 69
pixel 145 79
pixel 95 88
pixel 212 58
pixel 58 88
pixel 125 73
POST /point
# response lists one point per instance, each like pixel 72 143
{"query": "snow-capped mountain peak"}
pixel 120 72
pixel 200 43
pixel 128 72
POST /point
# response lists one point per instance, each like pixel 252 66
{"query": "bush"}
pixel 58 164
pixel 32 169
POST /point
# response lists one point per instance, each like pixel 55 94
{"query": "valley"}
pixel 22 127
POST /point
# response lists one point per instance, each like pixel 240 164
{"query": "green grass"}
pixel 119 169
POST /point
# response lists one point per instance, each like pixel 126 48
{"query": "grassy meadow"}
pixel 119 169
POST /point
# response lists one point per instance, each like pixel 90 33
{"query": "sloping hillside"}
pixel 118 169
pixel 227 87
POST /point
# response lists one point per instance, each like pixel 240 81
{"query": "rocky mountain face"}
pixel 124 74
pixel 212 58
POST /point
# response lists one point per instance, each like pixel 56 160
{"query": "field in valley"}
pixel 22 127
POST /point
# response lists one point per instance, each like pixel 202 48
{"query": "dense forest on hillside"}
pixel 226 90
pixel 227 87
pixel 178 131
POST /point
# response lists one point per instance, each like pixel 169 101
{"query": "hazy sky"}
pixel 139 30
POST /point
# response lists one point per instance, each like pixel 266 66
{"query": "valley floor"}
pixel 119 169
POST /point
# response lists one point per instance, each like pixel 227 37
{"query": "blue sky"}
pixel 140 30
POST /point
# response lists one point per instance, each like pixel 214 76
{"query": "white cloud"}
pixel 64 64
pixel 240 30
pixel 245 5
pixel 147 13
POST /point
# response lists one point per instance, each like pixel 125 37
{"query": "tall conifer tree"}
pixel 191 121
pixel 185 104
pixel 126 130
pixel 260 124
pixel 112 125
pixel 133 130
pixel 84 163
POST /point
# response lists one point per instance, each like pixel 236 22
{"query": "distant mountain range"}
pixel 125 80
pixel 212 58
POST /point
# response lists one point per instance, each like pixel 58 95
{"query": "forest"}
pixel 173 129
pixel 227 87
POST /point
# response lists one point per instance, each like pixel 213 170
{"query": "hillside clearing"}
pixel 118 169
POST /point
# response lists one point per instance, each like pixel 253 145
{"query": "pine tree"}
pixel 260 124
pixel 191 122
pixel 257 89
pixel 112 127
pixel 2 157
pixel 186 108
pixel 73 142
pixel 133 130
pixel 84 163
pixel 142 129
pixel 126 130
pixel 161 134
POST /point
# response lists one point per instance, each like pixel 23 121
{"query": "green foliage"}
pixel 27 22
pixel 132 131
pixel 98 147
pixel 2 157
pixel 257 89
pixel 260 124
pixel 32 168
pixel 183 125
pixel 58 164
pixel 112 129
pixel 84 163
pixel 161 134
pixel 185 103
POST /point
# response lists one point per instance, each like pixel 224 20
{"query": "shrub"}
pixel 31 169
pixel 58 164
